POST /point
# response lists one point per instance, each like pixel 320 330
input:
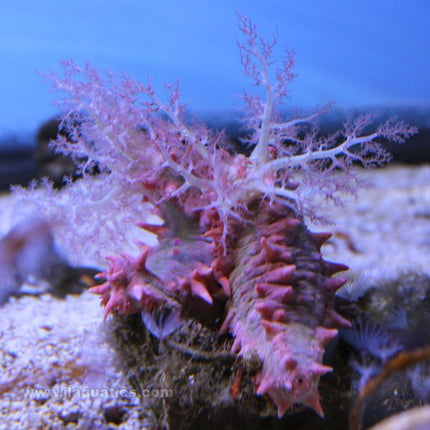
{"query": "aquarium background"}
pixel 361 55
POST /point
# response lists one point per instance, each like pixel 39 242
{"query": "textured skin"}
pixel 273 285
pixel 282 302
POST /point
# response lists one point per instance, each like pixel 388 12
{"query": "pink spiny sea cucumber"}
pixel 282 306
pixel 278 290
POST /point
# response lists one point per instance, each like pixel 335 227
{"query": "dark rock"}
pixel 193 364
pixel 50 163
pixel 17 166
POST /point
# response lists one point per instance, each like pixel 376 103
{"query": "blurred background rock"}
pixel 22 160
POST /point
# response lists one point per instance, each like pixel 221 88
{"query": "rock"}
pixel 413 419
pixel 51 164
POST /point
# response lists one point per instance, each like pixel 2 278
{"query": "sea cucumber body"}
pixel 278 290
pixel 282 305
